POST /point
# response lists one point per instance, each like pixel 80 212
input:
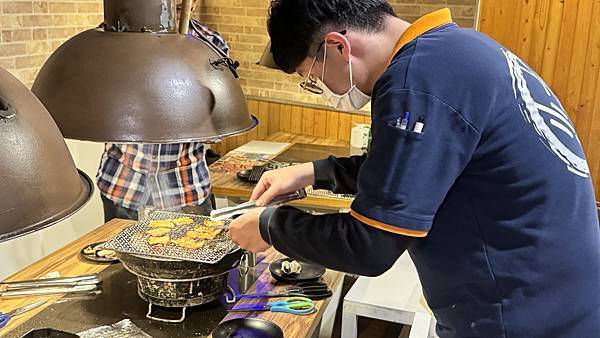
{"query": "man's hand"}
pixel 244 232
pixel 282 181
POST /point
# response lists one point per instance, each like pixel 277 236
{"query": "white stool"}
pixel 395 296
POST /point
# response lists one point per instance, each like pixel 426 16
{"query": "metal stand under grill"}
pixel 180 284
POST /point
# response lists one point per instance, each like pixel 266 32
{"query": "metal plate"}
pixel 310 272
pixel 134 240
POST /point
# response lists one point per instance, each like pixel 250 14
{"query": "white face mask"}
pixel 354 99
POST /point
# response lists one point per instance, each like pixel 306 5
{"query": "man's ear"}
pixel 343 45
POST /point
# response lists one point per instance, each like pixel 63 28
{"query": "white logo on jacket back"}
pixel 538 110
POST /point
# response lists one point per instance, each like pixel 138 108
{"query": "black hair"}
pixel 296 25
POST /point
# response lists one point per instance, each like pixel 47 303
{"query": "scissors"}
pixel 5 317
pixel 293 305
pixel 311 290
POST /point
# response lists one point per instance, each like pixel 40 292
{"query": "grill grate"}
pixel 134 240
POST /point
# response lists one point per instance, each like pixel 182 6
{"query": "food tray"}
pixel 134 240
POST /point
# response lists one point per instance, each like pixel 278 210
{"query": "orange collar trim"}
pixel 422 26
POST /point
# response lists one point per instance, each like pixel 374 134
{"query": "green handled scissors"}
pixel 293 305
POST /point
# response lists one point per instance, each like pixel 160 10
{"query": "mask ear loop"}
pixel 350 66
pixel 306 80
pixel 324 61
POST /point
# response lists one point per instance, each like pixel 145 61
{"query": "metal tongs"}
pixel 49 286
pixel 226 213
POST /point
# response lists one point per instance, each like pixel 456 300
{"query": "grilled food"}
pixel 188 242
pixel 99 252
pixel 206 233
pixel 291 267
pixel 159 232
pixel 162 223
pixel 183 221
pixel 89 250
pixel 194 234
pixel 109 254
pixel 211 223
pixel 203 233
pixel 159 240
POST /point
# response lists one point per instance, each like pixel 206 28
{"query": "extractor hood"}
pixel 39 184
pixel 135 79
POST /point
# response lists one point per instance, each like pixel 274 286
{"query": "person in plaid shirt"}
pixel 164 176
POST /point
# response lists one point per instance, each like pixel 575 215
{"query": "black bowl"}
pixel 247 328
pixel 310 272
pixel 49 333
pixel 244 175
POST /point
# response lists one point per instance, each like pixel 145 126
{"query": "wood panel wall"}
pixel 296 119
pixel 560 39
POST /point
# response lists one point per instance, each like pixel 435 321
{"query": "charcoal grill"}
pixel 174 277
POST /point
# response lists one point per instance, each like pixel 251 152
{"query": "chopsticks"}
pixel 48 286
pixel 49 281
pixel 49 291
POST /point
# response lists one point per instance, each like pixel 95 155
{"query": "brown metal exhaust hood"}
pixel 39 184
pixel 135 79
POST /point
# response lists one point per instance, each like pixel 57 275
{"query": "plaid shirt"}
pixel 166 176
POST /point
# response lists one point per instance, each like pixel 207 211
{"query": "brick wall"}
pixel 31 30
pixel 243 24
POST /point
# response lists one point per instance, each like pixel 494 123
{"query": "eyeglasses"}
pixel 310 83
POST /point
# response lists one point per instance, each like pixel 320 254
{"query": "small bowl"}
pixel 247 328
